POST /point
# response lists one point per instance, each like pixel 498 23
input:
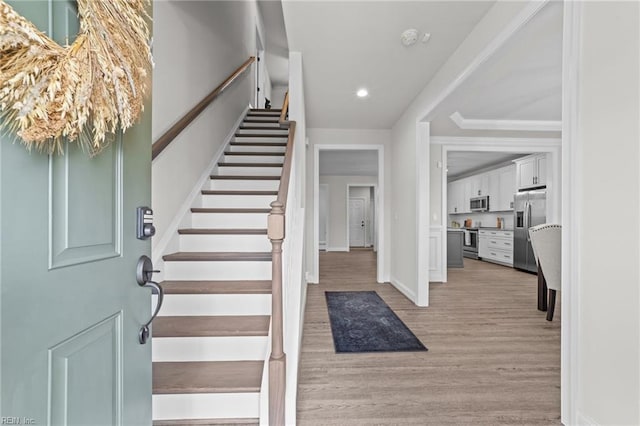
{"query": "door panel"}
pixel 356 222
pixel 70 307
pixel 85 201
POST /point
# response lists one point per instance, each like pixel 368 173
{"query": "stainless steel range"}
pixel 470 243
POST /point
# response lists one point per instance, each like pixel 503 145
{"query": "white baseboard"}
pixel 171 233
pixel 311 279
pixel 584 420
pixel 337 248
pixel 436 277
pixel 411 295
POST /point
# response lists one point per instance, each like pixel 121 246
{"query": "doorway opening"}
pixel 351 178
pixel 260 77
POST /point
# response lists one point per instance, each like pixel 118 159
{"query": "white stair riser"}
pixel 275 115
pixel 215 304
pixel 229 220
pixel 274 124
pixel 257 139
pixel 237 201
pixel 238 185
pixel 206 406
pixel 278 159
pixel 189 242
pixel 219 270
pixel 249 171
pixel 274 131
pixel 255 148
pixel 187 349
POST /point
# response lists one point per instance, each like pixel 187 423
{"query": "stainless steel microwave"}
pixel 479 204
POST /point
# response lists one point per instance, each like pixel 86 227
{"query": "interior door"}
pixel 356 222
pixel 70 307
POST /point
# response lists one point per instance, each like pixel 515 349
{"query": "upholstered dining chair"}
pixel 546 240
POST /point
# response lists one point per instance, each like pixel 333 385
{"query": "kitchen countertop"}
pixel 489 228
pixel 455 229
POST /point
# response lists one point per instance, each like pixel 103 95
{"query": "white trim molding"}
pixel 570 359
pixel 472 143
pixel 518 125
pixel 436 235
pixel 423 214
pixel 337 248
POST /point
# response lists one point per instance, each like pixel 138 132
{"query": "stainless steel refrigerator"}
pixel 530 209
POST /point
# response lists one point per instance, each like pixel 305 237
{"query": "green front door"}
pixel 70 307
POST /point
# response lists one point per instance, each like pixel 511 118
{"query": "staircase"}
pixel 210 342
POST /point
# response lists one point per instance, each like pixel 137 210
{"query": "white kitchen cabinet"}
pixel 507 188
pixel 531 171
pixel 468 185
pixel 455 197
pixel 494 190
pixel 479 185
pixel 496 246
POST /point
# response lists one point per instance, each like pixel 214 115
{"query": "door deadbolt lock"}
pixel 144 223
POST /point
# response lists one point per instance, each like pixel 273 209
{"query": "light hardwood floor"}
pixel 493 358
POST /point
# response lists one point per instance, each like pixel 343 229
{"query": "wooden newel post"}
pixel 277 361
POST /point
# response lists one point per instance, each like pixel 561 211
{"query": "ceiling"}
pixel 346 45
pixel 348 163
pixel 522 81
pixel 277 48
pixel 461 163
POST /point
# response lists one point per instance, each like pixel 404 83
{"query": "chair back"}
pixel 546 242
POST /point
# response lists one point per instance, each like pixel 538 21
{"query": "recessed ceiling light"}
pixel 362 93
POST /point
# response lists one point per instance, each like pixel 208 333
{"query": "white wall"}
pixel 404 262
pixel 338 221
pixel 196 46
pixel 608 123
pixel 277 96
pixel 346 137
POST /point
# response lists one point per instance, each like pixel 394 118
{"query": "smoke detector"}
pixel 409 37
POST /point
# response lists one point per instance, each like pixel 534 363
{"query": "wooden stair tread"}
pixel 278 110
pixel 207 377
pixel 226 164
pixel 211 326
pixel 256 153
pixel 217 287
pixel 227 210
pixel 282 129
pixel 221 231
pixel 252 119
pixel 269 144
pixel 207 422
pixel 220 256
pixel 244 177
pixel 237 192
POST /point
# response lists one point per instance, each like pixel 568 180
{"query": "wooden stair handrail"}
pixel 285 110
pixel 164 140
pixel 276 233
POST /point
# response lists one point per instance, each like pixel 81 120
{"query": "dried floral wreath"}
pixel 84 92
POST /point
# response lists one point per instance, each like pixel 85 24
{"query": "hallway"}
pixel 492 359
